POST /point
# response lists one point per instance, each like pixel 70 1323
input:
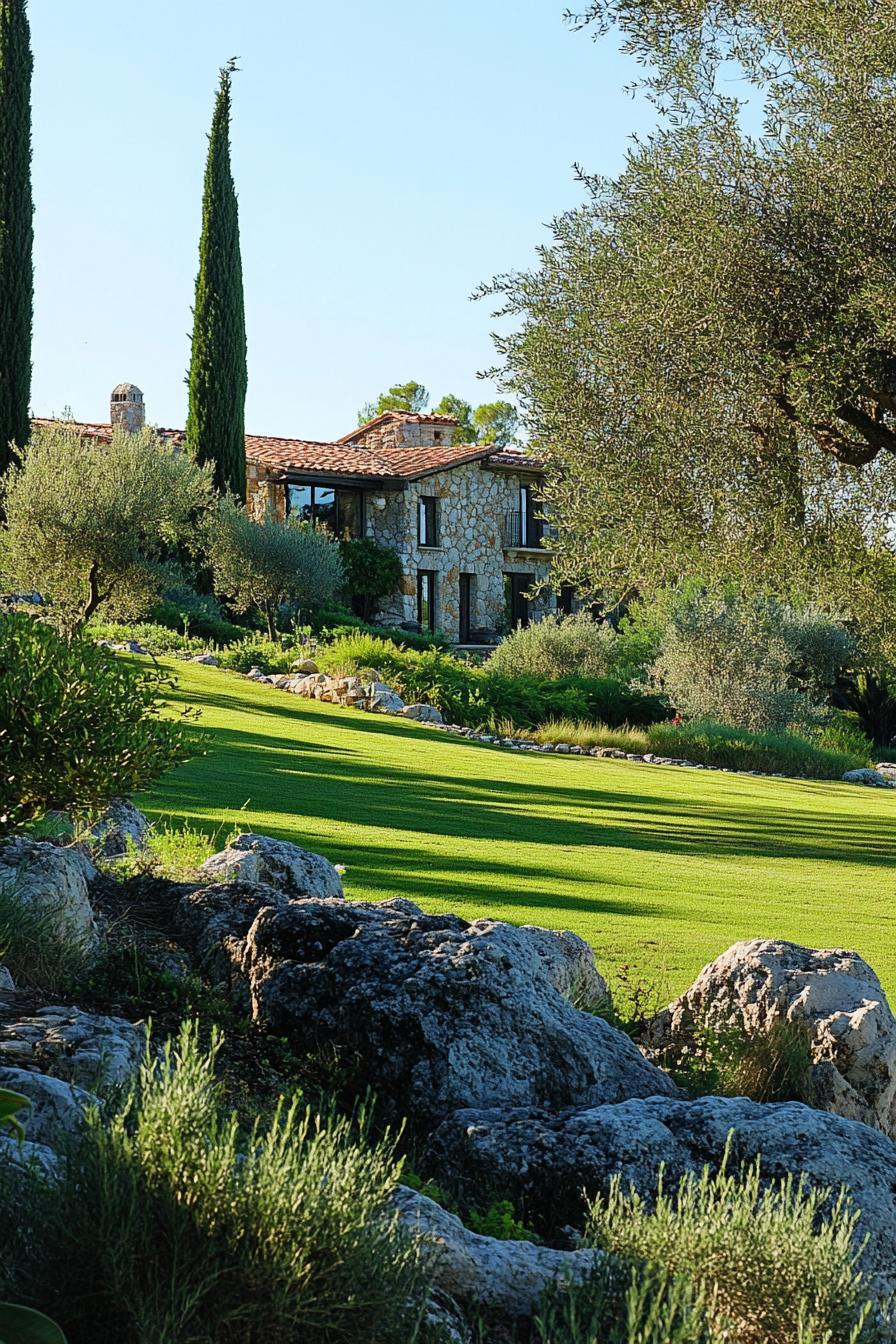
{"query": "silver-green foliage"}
pixel 773 1263
pixel 267 563
pixel 557 646
pixel 749 661
pixel 169 1226
pixel 623 1304
pixel 92 525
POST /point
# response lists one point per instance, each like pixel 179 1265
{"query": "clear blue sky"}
pixel 389 156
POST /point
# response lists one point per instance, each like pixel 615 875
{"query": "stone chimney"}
pixel 126 408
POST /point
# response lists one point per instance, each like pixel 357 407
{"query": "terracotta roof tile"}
pixel 308 457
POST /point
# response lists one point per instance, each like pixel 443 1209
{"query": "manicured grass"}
pixel 659 868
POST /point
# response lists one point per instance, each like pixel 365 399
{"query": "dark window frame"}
pixel 335 491
pixel 428 521
pixel 427 579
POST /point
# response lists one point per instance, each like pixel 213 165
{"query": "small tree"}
pixel 410 396
pixel 92 524
pixel 372 571
pixel 496 422
pixel 78 725
pixel 264 564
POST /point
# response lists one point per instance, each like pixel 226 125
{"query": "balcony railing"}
pixel 522 532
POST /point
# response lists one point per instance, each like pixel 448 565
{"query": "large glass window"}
pixel 428 521
pixel 426 598
pixel 530 523
pixel 342 511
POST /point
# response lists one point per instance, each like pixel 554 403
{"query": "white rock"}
pixel 208 659
pixel 119 829
pixel 82 1048
pixel 422 713
pixel 569 963
pixel 306 665
pixel 57 1108
pixel 507 1277
pixel 852 1031
pixel 386 702
pixel 286 867
pixel 551 1163
pixel 53 878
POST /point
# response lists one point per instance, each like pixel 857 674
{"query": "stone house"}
pixel 463 518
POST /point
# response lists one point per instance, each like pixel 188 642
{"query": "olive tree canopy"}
pixel 706 351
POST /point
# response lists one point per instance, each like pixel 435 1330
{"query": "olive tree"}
pixel 93 524
pixel 264 564
pixel 706 350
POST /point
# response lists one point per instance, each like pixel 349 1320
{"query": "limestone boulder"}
pixel 56 1109
pixel 305 665
pixel 549 1163
pixel 569 964
pixel 121 827
pixel 385 701
pixel 851 1028
pixel 422 714
pixel 214 922
pixel 85 1049
pixel 53 879
pixel 503 1277
pixel 435 1012
pixel 288 868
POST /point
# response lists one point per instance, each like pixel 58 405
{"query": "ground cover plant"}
pixel 168 1225
pixel 659 868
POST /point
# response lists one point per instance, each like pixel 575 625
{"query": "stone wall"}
pixel 396 433
pixel 472 503
pixel 264 494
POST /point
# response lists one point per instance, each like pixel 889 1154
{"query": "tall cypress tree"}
pixel 217 378
pixel 16 228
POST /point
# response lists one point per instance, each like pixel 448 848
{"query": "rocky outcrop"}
pixel 851 1029
pixel 120 829
pixel 569 964
pixel 436 1013
pixel 286 867
pixel 215 920
pixel 544 1161
pixel 85 1049
pixel 504 1277
pixel 55 880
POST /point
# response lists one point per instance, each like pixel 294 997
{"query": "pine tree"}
pixel 217 378
pixel 16 228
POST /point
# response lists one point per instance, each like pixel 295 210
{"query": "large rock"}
pixel 258 858
pixel 215 920
pixel 434 1012
pixel 422 713
pixel 548 1163
pixel 570 966
pixel 54 880
pixel 86 1049
pixel 120 829
pixel 851 1030
pixel 503 1277
pixel 57 1108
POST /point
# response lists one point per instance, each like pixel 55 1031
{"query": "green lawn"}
pixel 657 867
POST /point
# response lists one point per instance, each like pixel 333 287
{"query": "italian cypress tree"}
pixel 16 228
pixel 217 378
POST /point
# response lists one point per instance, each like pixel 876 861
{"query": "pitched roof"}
pixel 308 457
pixel 412 417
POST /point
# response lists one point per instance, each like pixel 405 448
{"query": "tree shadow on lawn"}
pixel 304 780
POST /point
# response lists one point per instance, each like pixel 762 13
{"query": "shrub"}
pixel 196 614
pixel 95 525
pixel 372 571
pixel 775 1263
pixel 158 640
pixel 749 661
pixel 774 1064
pixel 271 655
pixel 623 1304
pixel 78 725
pixel 164 1226
pixel 557 646
pixel 587 735
pixel 736 749
pixel 268 564
pixel 871 696
pixel 477 696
